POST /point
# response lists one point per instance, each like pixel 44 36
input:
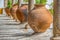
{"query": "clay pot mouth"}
pixel 7 8
pixel 39 5
pixel 15 5
pixel 27 4
pixel 24 4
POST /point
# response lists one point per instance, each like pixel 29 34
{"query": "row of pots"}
pixel 39 19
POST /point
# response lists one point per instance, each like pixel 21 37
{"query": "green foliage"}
pixel 52 4
pixel 25 0
pixel 9 3
pixel 41 2
pixel 16 1
pixel 51 10
pixel 38 1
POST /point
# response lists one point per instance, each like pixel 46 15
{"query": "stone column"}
pixel 5 3
pixel 56 20
pixel 13 1
pixel 20 2
pixel 31 4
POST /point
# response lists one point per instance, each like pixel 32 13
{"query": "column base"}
pixel 55 38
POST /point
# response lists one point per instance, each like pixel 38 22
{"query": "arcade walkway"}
pixel 12 30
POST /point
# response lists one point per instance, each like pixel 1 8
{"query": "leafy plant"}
pixel 9 3
pixel 25 0
pixel 41 2
pixel 51 9
pixel 37 1
pixel 16 1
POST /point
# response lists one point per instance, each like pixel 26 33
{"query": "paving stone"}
pixel 12 30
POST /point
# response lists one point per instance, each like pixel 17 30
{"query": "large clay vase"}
pixel 22 13
pixel 7 10
pixel 13 11
pixel 39 18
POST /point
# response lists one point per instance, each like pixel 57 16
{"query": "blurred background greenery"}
pixel 44 2
pixel 9 5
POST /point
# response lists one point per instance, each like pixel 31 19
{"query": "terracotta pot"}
pixel 7 10
pixel 1 10
pixel 22 13
pixel 39 18
pixel 18 13
pixel 13 11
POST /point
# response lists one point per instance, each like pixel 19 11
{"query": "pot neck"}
pixel 39 5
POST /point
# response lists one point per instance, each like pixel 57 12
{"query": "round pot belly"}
pixel 13 11
pixel 39 19
pixel 7 10
pixel 22 14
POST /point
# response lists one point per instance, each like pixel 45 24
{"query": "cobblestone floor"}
pixel 12 30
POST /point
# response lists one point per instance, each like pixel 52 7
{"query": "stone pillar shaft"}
pixel 56 17
pixel 20 2
pixel 5 3
pixel 56 21
pixel 31 4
